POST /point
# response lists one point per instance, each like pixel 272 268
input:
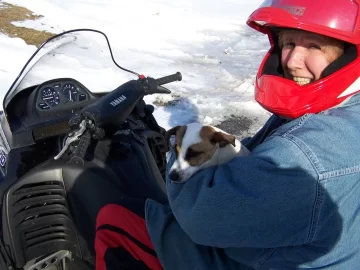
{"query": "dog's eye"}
pixel 192 153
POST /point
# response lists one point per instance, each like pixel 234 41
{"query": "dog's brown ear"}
pixel 222 139
pixel 179 131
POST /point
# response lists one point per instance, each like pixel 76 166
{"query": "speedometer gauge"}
pixel 70 92
pixel 50 96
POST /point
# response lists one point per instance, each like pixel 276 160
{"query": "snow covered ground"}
pixel 206 40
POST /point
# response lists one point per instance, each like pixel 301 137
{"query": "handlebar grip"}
pixel 81 148
pixel 170 78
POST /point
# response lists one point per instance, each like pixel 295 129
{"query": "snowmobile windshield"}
pixel 82 54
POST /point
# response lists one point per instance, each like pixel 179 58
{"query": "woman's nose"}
pixel 296 58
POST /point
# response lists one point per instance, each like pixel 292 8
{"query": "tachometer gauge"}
pixel 50 96
pixel 70 92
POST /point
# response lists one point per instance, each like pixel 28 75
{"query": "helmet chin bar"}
pixel 287 99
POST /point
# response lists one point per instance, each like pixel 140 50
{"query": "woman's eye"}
pixel 289 44
pixel 315 47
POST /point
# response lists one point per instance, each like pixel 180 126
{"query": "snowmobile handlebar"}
pixel 113 108
pixel 170 78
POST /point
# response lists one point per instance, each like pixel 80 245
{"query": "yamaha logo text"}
pixel 117 101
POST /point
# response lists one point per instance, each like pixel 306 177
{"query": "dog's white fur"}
pixel 217 148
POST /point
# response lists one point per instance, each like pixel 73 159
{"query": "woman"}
pixel 293 203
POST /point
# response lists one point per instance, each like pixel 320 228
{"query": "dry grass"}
pixel 10 13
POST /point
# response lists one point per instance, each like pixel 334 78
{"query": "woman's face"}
pixel 305 55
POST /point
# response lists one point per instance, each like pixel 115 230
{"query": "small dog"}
pixel 200 146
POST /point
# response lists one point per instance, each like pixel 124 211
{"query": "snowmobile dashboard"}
pixel 53 103
pixel 43 111
pixel 59 95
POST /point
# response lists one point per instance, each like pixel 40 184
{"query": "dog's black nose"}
pixel 174 175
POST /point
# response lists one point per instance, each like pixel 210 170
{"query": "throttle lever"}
pixel 162 90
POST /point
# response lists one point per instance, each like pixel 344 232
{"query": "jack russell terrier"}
pixel 199 146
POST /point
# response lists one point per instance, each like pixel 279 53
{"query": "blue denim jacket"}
pixel 294 203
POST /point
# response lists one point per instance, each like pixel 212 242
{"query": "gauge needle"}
pixel 70 96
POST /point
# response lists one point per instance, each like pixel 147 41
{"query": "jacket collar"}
pixel 355 99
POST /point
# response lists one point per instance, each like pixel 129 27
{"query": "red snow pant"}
pixel 122 240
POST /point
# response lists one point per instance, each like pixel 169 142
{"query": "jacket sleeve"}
pixel 268 199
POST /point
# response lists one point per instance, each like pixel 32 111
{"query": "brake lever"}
pixel 72 137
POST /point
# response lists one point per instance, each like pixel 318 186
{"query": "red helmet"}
pixel 340 80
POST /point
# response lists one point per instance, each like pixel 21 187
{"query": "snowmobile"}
pixel 66 121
